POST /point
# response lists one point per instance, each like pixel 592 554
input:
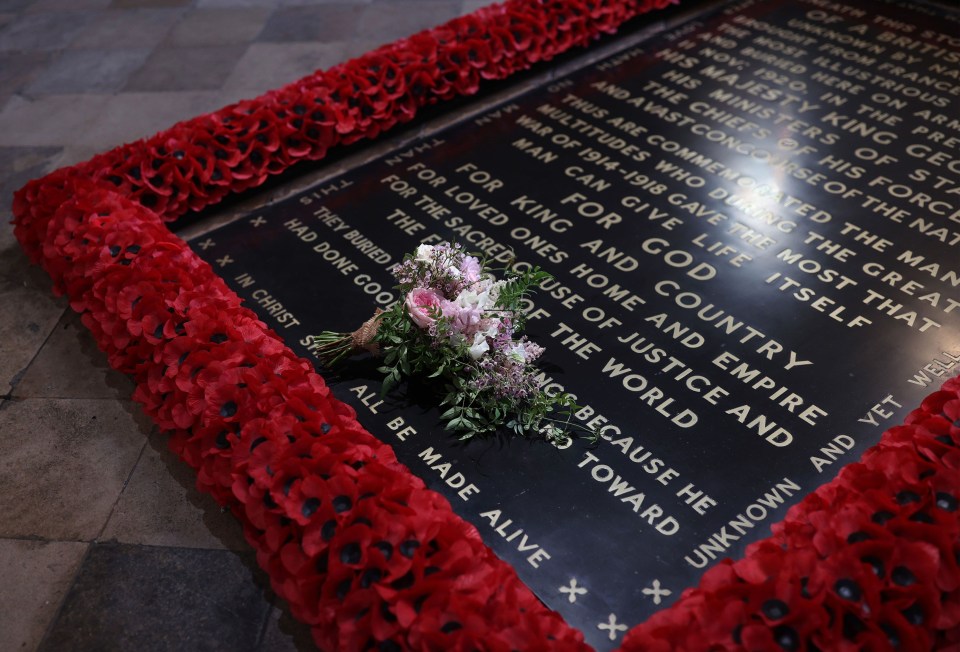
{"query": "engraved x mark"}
pixel 657 593
pixel 258 220
pixel 206 244
pixel 613 627
pixel 226 260
pixel 573 590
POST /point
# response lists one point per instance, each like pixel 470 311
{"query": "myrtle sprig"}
pixel 516 288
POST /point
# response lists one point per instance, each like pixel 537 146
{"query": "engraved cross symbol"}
pixel 573 590
pixel 258 220
pixel 657 593
pixel 206 244
pixel 612 626
pixel 223 262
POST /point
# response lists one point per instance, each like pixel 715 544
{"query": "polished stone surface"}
pixel 105 544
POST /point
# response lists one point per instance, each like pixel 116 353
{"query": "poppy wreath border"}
pixel 360 549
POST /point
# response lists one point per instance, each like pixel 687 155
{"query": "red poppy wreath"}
pixel 361 550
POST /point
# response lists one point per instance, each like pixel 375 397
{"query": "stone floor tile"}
pixel 219 26
pixel 23 330
pixel 67 5
pixel 88 71
pixel 71 366
pixel 63 464
pixel 18 275
pixel 53 120
pixel 160 506
pixel 300 3
pixel 17 166
pixel 222 4
pixel 137 597
pixel 13 5
pixel 17 69
pixel 8 243
pixel 388 20
pixel 46 31
pixel 186 69
pixel 76 154
pixel 123 4
pixel 128 28
pixel 131 116
pixel 23 286
pixel 324 23
pixel 285 634
pixel 270 65
pixel 357 47
pixel 470 6
pixel 34 578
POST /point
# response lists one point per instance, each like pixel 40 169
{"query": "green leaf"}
pixel 449 413
pixel 386 387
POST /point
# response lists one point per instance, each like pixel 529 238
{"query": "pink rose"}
pixel 421 304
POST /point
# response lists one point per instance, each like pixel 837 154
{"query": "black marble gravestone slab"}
pixel 752 222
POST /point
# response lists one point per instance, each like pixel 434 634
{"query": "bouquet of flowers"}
pixel 457 326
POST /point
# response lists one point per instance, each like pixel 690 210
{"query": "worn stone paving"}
pixel 104 542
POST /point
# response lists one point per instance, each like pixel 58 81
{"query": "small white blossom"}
pixel 481 295
pixel 517 351
pixel 490 327
pixel 424 253
pixel 479 347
